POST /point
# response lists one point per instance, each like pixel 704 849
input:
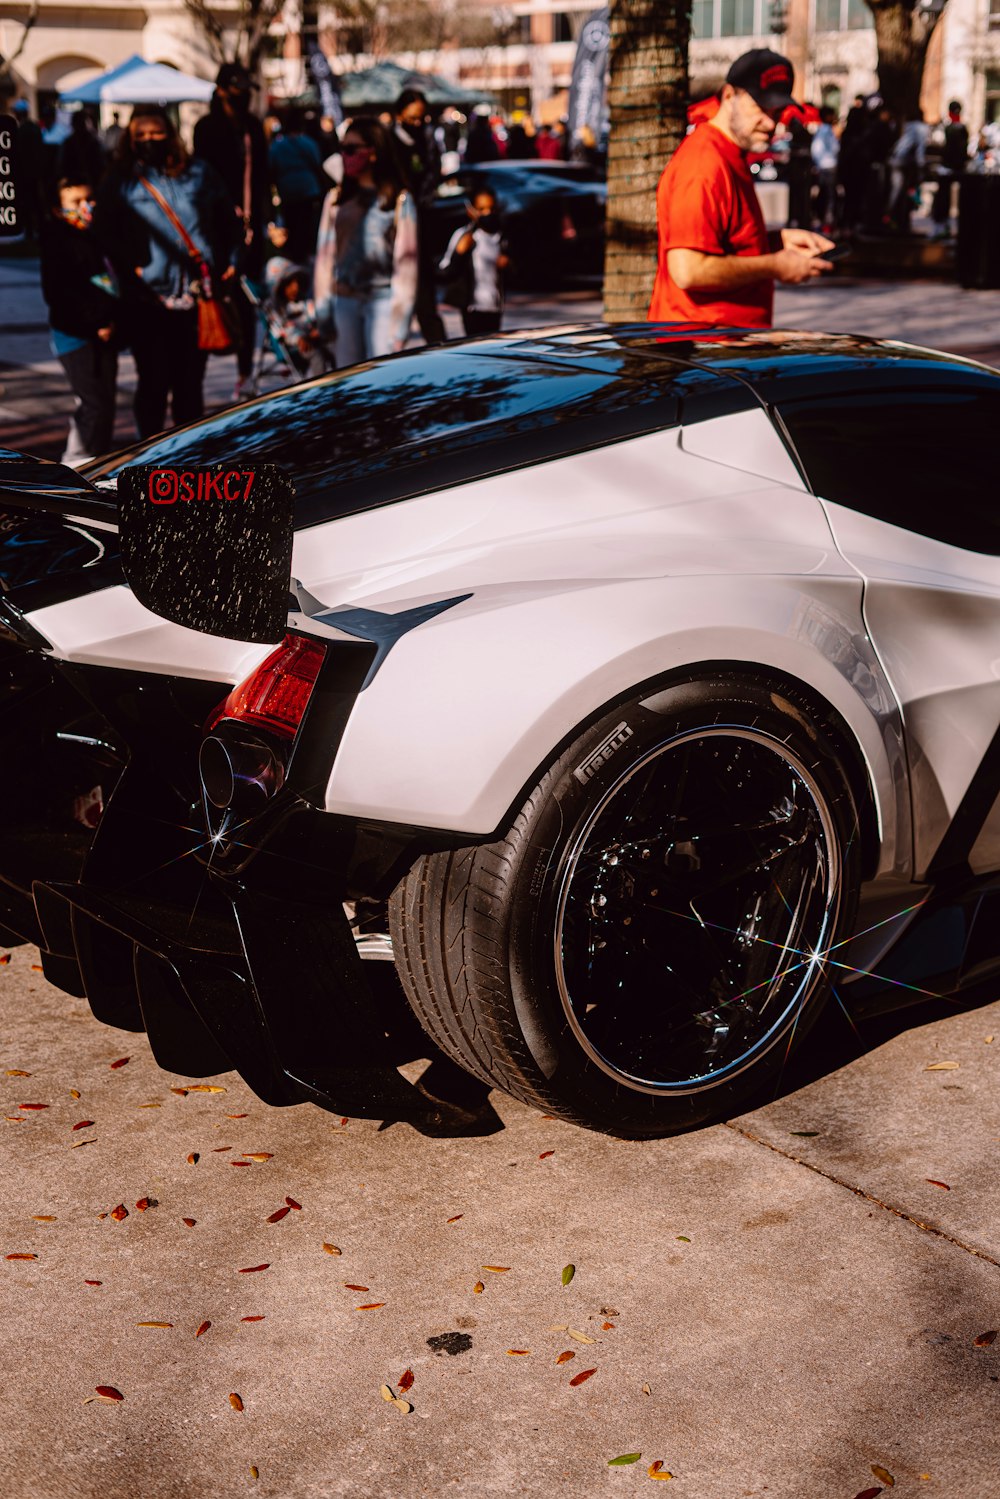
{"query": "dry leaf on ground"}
pixel 121 1062
pixel 203 1328
pixel 235 1401
pixel 565 1357
pixel 296 1206
pixel 478 1288
pixel 883 1476
pixel 332 1249
pixel 581 1337
pixel 120 1213
pixel 942 1066
pixel 583 1374
pixel 370 1306
pixel 932 1183
pixel 154 1324
pixel 568 1272
pixel 21 1256
pixel 624 1460
pixel 406 1381
pixel 985 1339
pixel 252 1269
pixel 277 1216
pixel 108 1392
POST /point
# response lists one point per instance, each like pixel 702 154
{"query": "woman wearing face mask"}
pixel 156 204
pixel 366 257
pixel 81 292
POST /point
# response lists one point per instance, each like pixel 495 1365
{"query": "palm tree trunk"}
pixel 647 97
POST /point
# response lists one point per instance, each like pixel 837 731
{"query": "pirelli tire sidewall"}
pixel 573 787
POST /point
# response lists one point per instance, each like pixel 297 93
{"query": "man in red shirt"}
pixel 716 264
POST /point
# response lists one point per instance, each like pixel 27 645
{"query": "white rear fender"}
pixel 465 711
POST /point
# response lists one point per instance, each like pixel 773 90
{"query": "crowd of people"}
pixel 174 252
pixel 866 174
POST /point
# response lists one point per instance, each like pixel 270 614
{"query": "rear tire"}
pixel 643 946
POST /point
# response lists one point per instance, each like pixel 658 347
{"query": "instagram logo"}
pixel 163 486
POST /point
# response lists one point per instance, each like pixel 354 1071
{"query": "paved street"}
pixel 791 1305
pixel 35 402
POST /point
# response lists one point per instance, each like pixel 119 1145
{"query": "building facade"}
pixel 524 52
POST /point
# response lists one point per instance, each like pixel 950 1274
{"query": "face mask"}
pixel 153 152
pixel 80 216
pixel 356 163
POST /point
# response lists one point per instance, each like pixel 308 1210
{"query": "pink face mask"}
pixel 355 161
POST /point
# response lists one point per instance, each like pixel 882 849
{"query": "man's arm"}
pixel 798 260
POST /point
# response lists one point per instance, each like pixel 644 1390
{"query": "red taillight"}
pixel 276 695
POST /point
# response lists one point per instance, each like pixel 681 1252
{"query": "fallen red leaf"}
pixel 456 1217
pixel 276 1217
pixel 518 1352
pixel 932 1183
pixel 120 1213
pixel 93 1282
pixel 868 1494
pixel 235 1402
pixel 43 1217
pixel 21 1256
pixel 237 1116
pixel 985 1339
pixel 349 1287
pixel 203 1328
pixel 478 1288
pixel 607 1327
pixel 109 1392
pixel 564 1358
pixel 32 1105
pixel 5 957
pixel 344 1122
pixel 252 1269
pixel 545 1155
pixel 146 1202
pixel 37 968
pixel 370 1306
pixel 583 1374
pixel 253 1319
pixel 241 1163
pixel 293 1204
pixel 84 1124
pixel 406 1382
pixel 72 1092
pixel 218 1149
pixel 120 1062
pixel 189 1222
pixel 193 1158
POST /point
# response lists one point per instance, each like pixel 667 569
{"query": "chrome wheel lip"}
pixel 812 971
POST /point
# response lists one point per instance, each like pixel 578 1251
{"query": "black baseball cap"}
pixel 234 75
pixel 766 76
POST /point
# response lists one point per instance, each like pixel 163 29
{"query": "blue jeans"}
pixel 364 326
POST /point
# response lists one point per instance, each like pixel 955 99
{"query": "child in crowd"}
pixel 292 318
pixel 82 293
pixel 474 263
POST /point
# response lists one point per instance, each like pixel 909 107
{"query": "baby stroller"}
pixel 286 326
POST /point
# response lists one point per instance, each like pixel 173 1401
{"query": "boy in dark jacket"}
pixel 79 287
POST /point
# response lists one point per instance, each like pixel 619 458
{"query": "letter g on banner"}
pixel 10 186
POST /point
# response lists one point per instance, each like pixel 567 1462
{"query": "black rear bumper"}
pixel 239 981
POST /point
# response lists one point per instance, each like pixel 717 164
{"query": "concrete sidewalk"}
pixel 35 403
pixel 773 1308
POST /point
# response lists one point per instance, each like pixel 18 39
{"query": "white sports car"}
pixel 630 689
